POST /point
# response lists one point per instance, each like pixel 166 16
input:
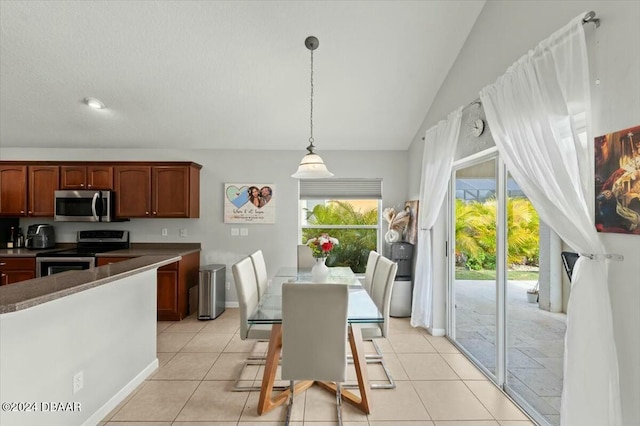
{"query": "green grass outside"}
pixel 464 274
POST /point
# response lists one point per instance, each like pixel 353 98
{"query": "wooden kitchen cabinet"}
pixel 142 189
pixel 163 191
pixel 132 185
pixel 86 177
pixel 15 269
pixel 42 183
pixel 175 191
pixel 28 190
pixel 13 190
pixel 173 283
pixel 168 297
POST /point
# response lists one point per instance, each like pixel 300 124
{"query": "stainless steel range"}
pixel 83 256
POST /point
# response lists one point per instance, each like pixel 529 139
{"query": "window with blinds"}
pixel 346 209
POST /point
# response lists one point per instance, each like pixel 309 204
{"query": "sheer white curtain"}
pixel 532 111
pixel 439 148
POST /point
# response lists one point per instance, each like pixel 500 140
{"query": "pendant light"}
pixel 311 166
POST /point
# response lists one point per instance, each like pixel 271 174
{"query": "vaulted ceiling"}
pixel 224 74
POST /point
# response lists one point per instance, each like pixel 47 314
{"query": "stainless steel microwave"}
pixel 83 206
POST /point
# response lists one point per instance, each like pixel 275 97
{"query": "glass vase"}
pixel 319 271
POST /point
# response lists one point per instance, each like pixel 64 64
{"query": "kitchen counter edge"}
pixel 136 249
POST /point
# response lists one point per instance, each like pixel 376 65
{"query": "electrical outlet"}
pixel 183 232
pixel 164 232
pixel 235 232
pixel 244 232
pixel 78 381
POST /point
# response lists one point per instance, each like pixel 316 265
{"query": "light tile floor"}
pixel 199 361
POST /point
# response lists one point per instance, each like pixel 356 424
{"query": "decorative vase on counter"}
pixel 319 271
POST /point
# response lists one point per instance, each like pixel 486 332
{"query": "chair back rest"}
pixel 305 258
pixel 260 269
pixel 381 288
pixel 314 331
pixel 247 289
pixel 372 261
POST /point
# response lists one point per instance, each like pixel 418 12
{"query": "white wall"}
pixel 278 241
pixel 44 346
pixel 505 31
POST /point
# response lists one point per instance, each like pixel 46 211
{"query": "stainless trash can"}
pixel 211 291
pixel 401 296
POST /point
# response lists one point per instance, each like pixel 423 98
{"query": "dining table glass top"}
pixel 362 309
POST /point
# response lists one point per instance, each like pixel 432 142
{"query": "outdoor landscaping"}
pixel 476 240
pixel 354 243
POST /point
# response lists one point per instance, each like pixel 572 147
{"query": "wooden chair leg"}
pixel 360 364
pixel 267 402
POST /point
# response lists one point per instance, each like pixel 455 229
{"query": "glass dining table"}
pixel 362 310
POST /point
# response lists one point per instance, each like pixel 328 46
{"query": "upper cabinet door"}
pixel 86 177
pixel 132 185
pixel 170 187
pixel 100 177
pixel 43 182
pixel 73 177
pixel 13 191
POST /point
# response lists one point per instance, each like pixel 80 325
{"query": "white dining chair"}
pixel 247 290
pixel 305 258
pixel 314 336
pixel 372 262
pixel 260 269
pixel 381 289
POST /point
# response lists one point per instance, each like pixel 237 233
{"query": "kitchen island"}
pixel 74 345
pixel 174 280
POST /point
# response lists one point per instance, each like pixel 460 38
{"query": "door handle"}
pixel 93 205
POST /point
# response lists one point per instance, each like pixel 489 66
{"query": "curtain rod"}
pixel 588 17
pixel 591 17
pixel 475 101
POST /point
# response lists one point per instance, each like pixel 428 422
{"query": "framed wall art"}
pixel 617 181
pixel 249 203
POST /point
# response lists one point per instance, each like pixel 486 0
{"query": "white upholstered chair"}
pixel 314 335
pixel 372 262
pixel 247 290
pixel 380 291
pixel 305 258
pixel 260 269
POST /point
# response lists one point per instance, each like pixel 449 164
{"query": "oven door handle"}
pixel 93 205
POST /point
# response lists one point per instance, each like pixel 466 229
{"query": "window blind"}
pixel 342 188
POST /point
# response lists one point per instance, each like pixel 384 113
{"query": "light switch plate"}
pixel 235 232
pixel 244 232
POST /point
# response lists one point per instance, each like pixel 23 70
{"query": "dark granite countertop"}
pixel 136 249
pixel 154 249
pixel 25 294
pixel 25 252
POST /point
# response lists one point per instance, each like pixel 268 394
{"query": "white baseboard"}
pixel 437 332
pixel 231 305
pixel 102 412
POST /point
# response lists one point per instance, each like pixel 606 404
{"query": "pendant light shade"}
pixel 311 166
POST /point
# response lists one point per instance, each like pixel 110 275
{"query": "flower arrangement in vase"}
pixel 320 248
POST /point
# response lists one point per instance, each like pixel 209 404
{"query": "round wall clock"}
pixel 477 127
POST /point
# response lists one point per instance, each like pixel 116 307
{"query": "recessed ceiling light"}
pixel 94 103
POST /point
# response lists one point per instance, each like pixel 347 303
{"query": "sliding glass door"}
pixel 474 289
pixel 498 307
